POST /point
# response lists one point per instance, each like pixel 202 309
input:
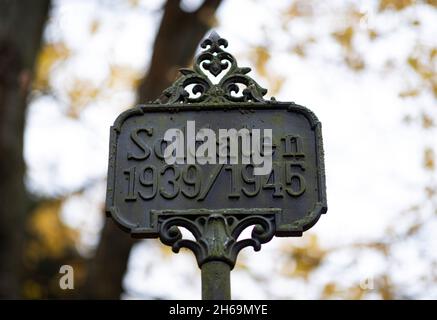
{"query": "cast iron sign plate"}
pixel 142 186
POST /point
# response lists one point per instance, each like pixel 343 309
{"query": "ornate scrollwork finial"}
pixel 216 235
pixel 195 85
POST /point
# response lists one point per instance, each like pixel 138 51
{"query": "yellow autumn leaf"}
pixel 372 34
pixel 413 62
pixel 48 57
pixel 395 4
pixel 354 61
pixel 94 27
pixel 329 290
pixel 121 76
pixel 261 57
pixel 306 258
pixel 276 84
pixel 50 236
pixel 300 8
pixel 299 49
pixel 432 53
pixel 344 37
pixel 429 159
pixel 422 68
pixel 380 246
pixel 409 93
pixel 385 287
pixel 427 121
pixel 413 229
pixel 422 61
pixel 81 92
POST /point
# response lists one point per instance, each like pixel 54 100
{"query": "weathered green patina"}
pixel 215 201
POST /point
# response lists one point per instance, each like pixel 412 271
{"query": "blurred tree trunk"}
pixel 21 27
pixel 176 41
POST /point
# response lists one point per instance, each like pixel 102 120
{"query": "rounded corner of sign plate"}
pixel 313 216
pixel 127 226
pixel 308 113
pixel 122 117
pixel 324 209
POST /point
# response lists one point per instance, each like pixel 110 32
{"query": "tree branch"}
pixel 179 34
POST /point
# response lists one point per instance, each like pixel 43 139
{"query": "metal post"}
pixel 216 284
pixel 216 246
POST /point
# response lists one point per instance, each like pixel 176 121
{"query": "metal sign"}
pixel 150 196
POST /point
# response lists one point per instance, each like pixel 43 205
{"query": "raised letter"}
pixel 140 144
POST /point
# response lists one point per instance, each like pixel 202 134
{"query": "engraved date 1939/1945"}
pixel 193 181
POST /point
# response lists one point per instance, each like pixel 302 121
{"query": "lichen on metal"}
pixel 150 198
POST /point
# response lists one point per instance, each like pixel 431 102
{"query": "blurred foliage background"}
pixel 67 68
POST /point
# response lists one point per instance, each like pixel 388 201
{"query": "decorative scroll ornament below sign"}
pixel 216 235
pixel 195 86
